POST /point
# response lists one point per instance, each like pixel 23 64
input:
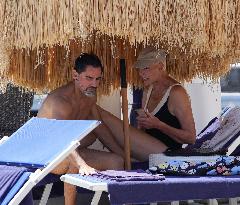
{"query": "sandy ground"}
pixel 85 199
pixel 82 199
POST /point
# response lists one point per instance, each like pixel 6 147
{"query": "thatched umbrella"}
pixel 44 36
pixel 40 39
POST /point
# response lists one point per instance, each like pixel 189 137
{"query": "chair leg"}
pixel 212 202
pixel 46 193
pixel 153 203
pixel 174 202
pixel 96 197
pixel 233 201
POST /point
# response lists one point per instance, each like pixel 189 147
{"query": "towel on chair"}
pixel 121 176
pixel 126 186
pixel 222 165
pixel 9 175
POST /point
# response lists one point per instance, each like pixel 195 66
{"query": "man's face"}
pixel 89 80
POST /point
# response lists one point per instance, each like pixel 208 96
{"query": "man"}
pixel 77 101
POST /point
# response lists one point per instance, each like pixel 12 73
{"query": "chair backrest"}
pixel 15 106
pixel 39 141
pixel 42 143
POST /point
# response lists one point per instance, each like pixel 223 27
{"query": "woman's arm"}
pixel 179 105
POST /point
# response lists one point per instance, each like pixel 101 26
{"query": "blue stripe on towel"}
pixel 11 178
pixel 17 186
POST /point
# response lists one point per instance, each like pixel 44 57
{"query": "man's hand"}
pixel 84 169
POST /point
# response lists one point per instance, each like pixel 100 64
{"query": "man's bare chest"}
pixel 82 112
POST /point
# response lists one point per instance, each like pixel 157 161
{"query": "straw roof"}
pixel 40 39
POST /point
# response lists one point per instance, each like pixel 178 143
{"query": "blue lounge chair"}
pixel 171 189
pixel 39 146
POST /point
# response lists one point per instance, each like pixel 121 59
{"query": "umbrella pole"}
pixel 127 157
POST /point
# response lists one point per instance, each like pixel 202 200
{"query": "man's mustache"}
pixel 91 89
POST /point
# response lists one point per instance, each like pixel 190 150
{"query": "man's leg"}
pixel 142 144
pixel 101 160
pixel 105 135
pixel 87 140
pixel 96 159
pixel 66 167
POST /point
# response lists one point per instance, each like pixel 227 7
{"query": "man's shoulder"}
pixel 56 107
pixel 57 100
pixel 59 95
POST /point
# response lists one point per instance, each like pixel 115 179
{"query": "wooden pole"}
pixel 127 158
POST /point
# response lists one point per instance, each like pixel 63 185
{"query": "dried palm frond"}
pixel 47 68
pixel 201 37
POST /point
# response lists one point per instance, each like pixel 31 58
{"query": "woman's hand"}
pixel 149 121
pixel 84 169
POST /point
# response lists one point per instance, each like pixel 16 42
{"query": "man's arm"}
pixel 104 134
pixel 59 108
pixel 55 108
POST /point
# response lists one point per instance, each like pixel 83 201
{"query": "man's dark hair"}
pixel 86 59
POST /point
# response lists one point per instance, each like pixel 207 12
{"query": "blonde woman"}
pixel 166 120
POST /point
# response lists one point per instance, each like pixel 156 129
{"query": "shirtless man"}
pixel 77 101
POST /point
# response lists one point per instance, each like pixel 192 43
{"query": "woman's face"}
pixel 151 74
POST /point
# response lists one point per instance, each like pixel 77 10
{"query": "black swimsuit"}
pixel 165 116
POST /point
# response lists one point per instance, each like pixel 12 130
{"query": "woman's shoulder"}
pixel 178 87
pixel 178 91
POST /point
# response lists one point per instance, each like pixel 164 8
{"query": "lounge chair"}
pixel 171 189
pixel 40 145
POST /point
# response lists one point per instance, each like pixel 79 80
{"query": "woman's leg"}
pixel 142 144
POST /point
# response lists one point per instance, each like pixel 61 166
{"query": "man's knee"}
pixel 73 169
pixel 61 168
pixel 87 141
pixel 66 166
pixel 115 162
